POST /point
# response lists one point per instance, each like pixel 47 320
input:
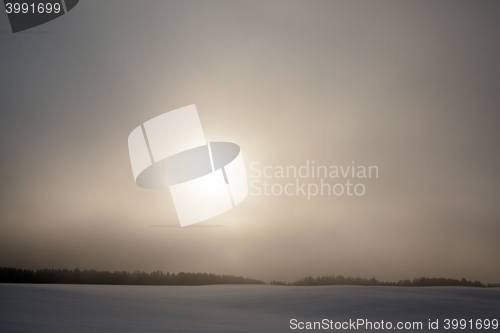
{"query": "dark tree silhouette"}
pixel 420 282
pixel 92 276
pixel 86 276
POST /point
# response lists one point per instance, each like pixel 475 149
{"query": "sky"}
pixel 410 87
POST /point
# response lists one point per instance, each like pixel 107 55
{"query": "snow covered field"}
pixel 230 308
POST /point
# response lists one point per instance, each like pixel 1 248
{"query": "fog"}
pixel 409 87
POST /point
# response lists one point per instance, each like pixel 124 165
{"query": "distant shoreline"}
pixel 95 277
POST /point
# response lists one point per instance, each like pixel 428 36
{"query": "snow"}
pixel 228 308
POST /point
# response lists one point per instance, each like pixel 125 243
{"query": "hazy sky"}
pixel 411 87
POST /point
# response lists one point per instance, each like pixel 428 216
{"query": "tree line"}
pixel 92 276
pixel 418 282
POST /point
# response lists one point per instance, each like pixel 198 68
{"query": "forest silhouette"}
pixel 92 276
pixel 418 282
